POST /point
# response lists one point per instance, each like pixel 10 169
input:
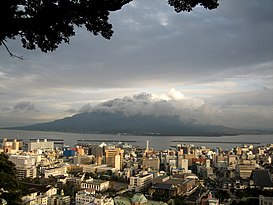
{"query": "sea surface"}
pixel 156 142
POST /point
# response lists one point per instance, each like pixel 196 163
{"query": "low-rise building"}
pixel 103 200
pixel 169 186
pixel 84 197
pixel 263 200
pixel 97 184
pixel 140 182
pixel 41 145
pixel 59 200
pixel 37 194
pixel 245 170
pixel 55 171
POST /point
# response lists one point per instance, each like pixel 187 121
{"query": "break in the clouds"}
pixel 219 61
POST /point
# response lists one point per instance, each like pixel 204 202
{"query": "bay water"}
pixel 156 142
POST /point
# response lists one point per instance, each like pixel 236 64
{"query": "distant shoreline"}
pixel 251 132
pixel 224 142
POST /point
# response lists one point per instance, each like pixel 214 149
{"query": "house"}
pixel 36 193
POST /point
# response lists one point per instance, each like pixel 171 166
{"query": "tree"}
pixel 47 23
pixel 9 185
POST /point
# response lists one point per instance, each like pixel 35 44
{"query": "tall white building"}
pixel 118 162
pixel 183 163
pixel 25 166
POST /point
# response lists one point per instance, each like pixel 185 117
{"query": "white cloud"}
pixel 174 103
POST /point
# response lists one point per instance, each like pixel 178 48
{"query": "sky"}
pixel 207 66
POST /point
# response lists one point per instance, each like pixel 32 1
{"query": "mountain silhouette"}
pixel 113 123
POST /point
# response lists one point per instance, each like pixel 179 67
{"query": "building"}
pixel 67 152
pixel 138 199
pixel 84 197
pixel 95 150
pixel 96 168
pixel 245 170
pixel 118 165
pixel 41 145
pixel 213 201
pixel 103 200
pixel 140 182
pixel 83 159
pixel 55 171
pixel 197 196
pixel 42 199
pixel 11 146
pixel 25 166
pixel 121 200
pixel 59 199
pixel 37 194
pixel 190 158
pixel 153 163
pixel 97 184
pixel 183 163
pixel 112 159
pixel 170 186
pixel 80 151
pixel 263 200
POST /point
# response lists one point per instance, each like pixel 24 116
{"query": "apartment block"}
pixel 25 166
pixel 140 182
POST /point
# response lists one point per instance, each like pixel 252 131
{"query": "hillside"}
pixel 113 123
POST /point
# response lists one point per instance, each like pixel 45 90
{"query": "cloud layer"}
pixel 221 60
pixel 238 111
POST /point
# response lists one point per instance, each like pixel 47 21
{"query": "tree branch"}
pixel 10 53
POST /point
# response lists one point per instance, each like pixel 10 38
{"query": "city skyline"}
pixel 215 66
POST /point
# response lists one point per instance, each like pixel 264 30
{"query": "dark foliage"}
pixel 47 23
pixel 253 193
pixel 9 185
pixel 188 5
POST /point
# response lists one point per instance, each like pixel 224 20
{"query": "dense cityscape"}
pixel 51 173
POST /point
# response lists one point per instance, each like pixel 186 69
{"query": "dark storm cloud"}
pixel 152 49
pixel 185 47
pixel 23 107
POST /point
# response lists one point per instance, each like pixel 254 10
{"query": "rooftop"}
pixel 261 178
